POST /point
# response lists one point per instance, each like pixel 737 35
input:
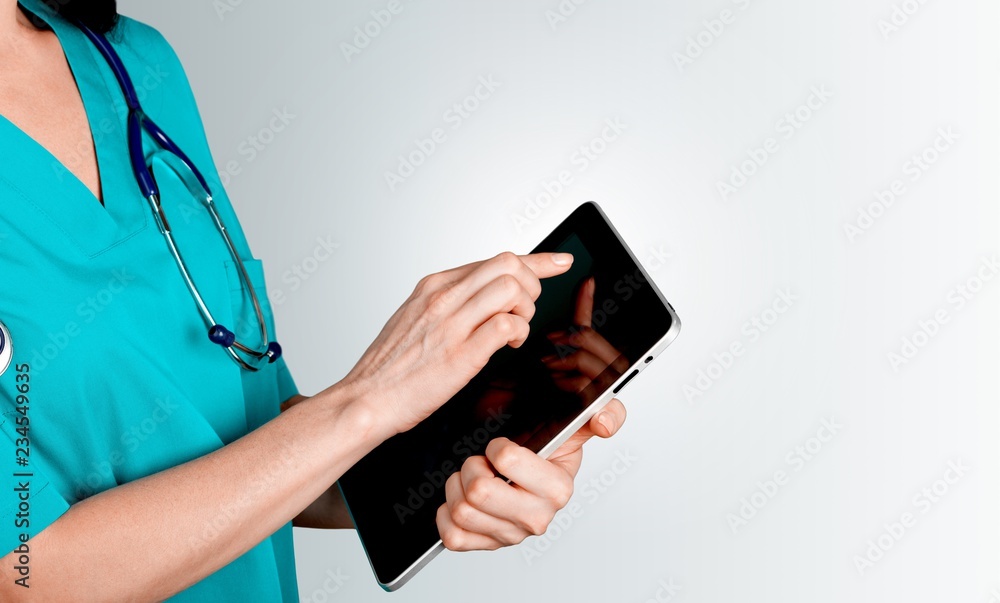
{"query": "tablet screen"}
pixel 591 324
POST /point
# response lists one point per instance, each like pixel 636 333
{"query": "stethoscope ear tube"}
pixel 138 122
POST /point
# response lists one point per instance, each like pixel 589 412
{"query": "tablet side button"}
pixel 625 382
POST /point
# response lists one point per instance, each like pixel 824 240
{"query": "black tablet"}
pixel 524 394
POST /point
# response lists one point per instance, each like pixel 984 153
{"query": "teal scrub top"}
pixel 111 361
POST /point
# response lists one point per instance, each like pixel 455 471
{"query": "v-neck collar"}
pixel 62 196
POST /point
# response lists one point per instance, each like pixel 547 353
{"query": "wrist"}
pixel 349 405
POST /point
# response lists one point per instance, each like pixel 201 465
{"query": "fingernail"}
pixel 605 420
pixel 562 259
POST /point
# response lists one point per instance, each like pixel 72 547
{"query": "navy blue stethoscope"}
pixel 247 357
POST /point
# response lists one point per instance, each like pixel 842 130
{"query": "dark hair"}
pixel 99 15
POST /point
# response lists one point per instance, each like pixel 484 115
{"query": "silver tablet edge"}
pixel 410 571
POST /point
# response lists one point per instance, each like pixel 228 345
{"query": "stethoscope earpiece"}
pixel 220 335
pixel 273 351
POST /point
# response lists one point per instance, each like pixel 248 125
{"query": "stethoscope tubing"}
pixel 138 122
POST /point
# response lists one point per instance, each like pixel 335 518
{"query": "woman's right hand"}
pixel 444 334
pixel 211 509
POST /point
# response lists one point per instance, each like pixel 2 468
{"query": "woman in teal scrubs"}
pixel 137 461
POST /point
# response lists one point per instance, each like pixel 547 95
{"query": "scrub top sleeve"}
pixel 28 504
pixel 286 384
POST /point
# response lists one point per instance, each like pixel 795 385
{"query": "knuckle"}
pixel 507 459
pixel 524 329
pixel 530 310
pixel 507 259
pixel 426 284
pixel 538 525
pixel 517 330
pixel 512 537
pixel 437 301
pixel 536 286
pixel 562 493
pixel 503 324
pixel 479 491
pixel 449 294
pixel 434 297
pixel 463 514
pixel 509 285
pixel 467 465
pixel 453 540
pixel 493 544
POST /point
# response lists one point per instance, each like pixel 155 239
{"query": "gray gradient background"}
pixel 665 518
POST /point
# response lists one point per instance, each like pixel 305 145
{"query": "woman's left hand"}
pixel 484 512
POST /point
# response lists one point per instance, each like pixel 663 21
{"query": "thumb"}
pixel 604 424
